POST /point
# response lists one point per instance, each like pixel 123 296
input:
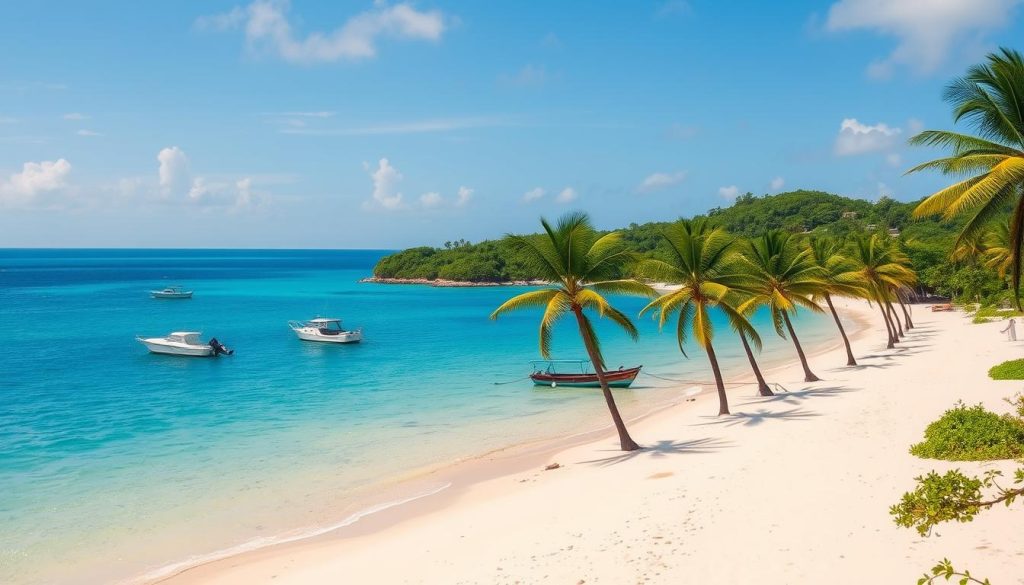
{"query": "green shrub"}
pixel 986 314
pixel 972 434
pixel 1011 370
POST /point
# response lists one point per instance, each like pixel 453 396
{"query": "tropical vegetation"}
pixel 706 269
pixel 990 98
pixel 971 433
pixel 582 266
pixel 1010 370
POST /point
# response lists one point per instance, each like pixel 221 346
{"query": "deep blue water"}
pixel 114 462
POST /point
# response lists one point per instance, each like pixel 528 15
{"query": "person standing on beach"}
pixel 1010 331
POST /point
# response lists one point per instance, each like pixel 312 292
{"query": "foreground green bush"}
pixel 972 434
pixel 1011 370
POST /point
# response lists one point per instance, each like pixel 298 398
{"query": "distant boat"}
pixel 171 292
pixel 184 343
pixel 326 330
pixel 545 374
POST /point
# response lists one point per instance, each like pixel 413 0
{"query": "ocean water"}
pixel 118 465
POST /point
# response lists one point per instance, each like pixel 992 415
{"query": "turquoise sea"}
pixel 116 464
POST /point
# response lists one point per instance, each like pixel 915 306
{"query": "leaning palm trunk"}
pixel 808 374
pixel 906 314
pixel 850 361
pixel 895 319
pixel 723 400
pixel 888 327
pixel 762 386
pixel 626 442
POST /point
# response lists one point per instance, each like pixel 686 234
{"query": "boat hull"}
pixel 178 349
pixel 307 334
pixel 163 295
pixel 616 379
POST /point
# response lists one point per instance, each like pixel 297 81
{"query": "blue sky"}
pixel 361 124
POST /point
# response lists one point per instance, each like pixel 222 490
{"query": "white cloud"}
pixel 533 194
pixel 84 132
pixel 894 159
pixel 884 190
pixel 268 29
pixel 463 197
pixel 731 192
pixel 777 183
pixel 856 138
pixel 385 185
pixel 528 76
pixel 927 31
pixel 658 181
pixel 430 200
pixel 75 116
pixel 36 177
pixel 567 195
pixel 173 170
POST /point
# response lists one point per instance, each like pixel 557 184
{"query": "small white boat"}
pixel 184 343
pixel 171 292
pixel 326 330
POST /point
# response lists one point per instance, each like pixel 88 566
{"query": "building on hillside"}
pixel 849 215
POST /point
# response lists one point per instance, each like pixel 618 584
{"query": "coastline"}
pixel 442 283
pixel 461 476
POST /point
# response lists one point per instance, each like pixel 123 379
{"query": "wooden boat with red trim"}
pixel 546 373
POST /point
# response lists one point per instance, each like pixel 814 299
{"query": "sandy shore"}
pixel 790 489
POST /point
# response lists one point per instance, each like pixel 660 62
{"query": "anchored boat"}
pixel 184 343
pixel 325 330
pixel 171 292
pixel 553 373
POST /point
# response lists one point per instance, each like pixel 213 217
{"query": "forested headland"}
pixel 927 241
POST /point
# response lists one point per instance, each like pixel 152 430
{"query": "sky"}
pixel 363 124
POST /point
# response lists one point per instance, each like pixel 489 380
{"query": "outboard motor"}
pixel 219 349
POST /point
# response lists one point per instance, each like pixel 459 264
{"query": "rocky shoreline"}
pixel 441 283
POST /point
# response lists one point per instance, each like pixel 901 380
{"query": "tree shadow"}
pixel 663 448
pixel 753 419
pixel 800 395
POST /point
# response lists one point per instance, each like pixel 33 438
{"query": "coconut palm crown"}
pixel 785 277
pixel 581 266
pixel 704 265
pixel 829 257
pixel 990 97
pixel 882 269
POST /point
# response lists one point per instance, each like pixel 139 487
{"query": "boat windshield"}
pixel 328 325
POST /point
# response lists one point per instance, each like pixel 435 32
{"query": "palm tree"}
pixel 879 268
pixel 991 98
pixel 784 277
pixel 581 266
pixel 996 249
pixel 702 262
pixel 827 254
pixel 762 387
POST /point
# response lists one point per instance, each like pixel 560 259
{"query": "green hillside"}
pixel 927 241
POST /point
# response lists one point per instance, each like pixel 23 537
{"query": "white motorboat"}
pixel 184 343
pixel 326 330
pixel 171 292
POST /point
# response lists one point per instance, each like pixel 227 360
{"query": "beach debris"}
pixel 552 466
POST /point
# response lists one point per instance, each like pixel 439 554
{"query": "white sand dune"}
pixel 790 489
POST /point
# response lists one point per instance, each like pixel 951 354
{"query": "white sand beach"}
pixel 794 488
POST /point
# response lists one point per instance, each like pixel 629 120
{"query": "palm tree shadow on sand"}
pixel 753 419
pixel 800 396
pixel 663 448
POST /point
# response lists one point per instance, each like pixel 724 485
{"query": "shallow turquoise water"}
pixel 115 462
